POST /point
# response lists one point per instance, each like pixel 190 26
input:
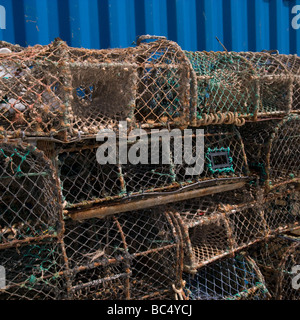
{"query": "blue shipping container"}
pixel 240 25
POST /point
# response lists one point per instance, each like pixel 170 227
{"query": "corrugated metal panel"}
pixel 239 24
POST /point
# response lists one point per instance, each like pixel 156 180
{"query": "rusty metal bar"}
pixel 102 212
pixel 246 294
pixel 15 243
pixel 180 252
pixel 66 273
pixel 197 265
pixel 127 270
pixel 155 294
pixel 119 260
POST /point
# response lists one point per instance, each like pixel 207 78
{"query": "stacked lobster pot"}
pixel 258 94
pixel 73 226
pixel 278 259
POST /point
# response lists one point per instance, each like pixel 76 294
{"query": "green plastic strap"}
pixel 228 169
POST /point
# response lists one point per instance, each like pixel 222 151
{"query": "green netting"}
pixel 225 84
pixel 30 205
pixel 230 86
pixel 33 271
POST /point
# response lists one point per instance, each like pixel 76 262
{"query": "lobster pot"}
pixel 163 90
pixel 147 85
pixel 236 278
pixel 282 212
pixel 30 203
pixel 206 228
pixel 292 64
pixel 102 89
pixel 33 271
pixel 272 150
pixel 275 83
pixel 32 92
pixel 56 90
pixel 216 226
pixel 225 87
pixel 135 255
pixel 288 283
pixel 276 259
pixel 222 234
pixel 267 256
pixel 84 180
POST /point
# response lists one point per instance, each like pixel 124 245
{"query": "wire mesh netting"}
pixel 141 254
pixel 282 212
pixel 272 149
pixel 226 88
pixel 32 94
pixel 103 89
pixel 233 86
pixel 288 282
pixel 275 83
pixel 30 202
pixel 163 90
pixel 85 181
pixel 55 90
pixel 292 64
pixel 267 256
pixel 72 228
pixel 236 278
pixel 278 259
pixel 132 256
pixel 33 271
pixel 30 223
pixel 218 225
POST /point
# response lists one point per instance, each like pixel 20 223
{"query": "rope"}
pixel 221 118
pixel 179 293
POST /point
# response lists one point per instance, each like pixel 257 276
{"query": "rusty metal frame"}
pixel 191 261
